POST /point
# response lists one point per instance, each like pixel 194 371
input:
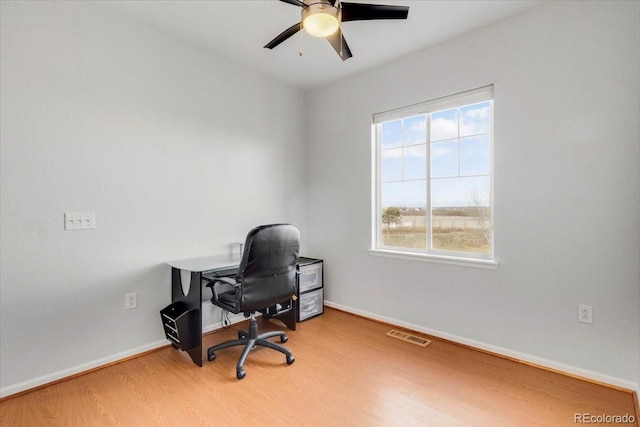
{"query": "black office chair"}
pixel 266 277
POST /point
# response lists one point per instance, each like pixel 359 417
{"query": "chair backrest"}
pixel 267 270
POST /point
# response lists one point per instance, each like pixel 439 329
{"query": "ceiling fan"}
pixel 322 18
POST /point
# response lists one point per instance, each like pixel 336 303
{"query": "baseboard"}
pixel 84 368
pixel 500 351
pixel 79 369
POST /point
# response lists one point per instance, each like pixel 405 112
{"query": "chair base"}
pixel 250 339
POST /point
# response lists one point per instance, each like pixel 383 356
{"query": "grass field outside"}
pixel 452 231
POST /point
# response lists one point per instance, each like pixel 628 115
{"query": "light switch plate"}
pixel 585 314
pixel 79 220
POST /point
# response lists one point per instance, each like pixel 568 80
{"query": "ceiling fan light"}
pixel 320 24
pixel 320 19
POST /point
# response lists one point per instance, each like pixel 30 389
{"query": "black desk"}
pixel 182 319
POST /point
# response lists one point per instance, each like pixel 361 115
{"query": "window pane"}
pixel 459 192
pixel 406 194
pixel 403 216
pixel 391 134
pixel 444 124
pixel 461 214
pixel 409 233
pixel 415 162
pixel 475 155
pixel 391 165
pixel 415 130
pixel 475 119
pixel 444 158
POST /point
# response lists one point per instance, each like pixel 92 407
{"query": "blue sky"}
pixel 460 158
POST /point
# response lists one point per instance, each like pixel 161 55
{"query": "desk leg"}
pixel 287 317
pixel 193 300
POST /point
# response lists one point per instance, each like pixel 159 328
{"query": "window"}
pixel 432 173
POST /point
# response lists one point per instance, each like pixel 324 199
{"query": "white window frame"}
pixel 486 261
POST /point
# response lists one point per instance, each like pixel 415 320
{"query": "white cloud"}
pixel 418 151
pixel 442 128
pixel 474 120
pixel 393 153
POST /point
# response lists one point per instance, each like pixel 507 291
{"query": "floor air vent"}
pixel 413 339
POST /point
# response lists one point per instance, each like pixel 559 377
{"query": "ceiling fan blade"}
pixel 284 35
pixel 340 45
pixel 363 11
pixel 294 2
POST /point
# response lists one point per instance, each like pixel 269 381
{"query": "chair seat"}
pixel 227 298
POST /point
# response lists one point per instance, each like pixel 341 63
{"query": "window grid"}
pixel 429 178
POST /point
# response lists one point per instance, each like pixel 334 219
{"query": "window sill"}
pixel 485 264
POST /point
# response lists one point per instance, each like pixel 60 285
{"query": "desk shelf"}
pixel 179 325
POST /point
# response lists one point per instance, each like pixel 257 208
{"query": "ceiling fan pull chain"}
pixel 302 43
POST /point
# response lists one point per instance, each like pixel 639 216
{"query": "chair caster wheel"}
pixel 242 334
pixel 211 356
pixel 284 339
pixel 290 359
pixel 240 374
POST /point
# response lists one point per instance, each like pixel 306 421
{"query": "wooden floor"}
pixel 346 373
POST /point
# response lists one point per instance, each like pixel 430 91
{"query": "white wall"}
pixel 567 215
pixel 178 152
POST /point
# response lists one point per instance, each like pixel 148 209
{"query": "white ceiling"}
pixel 238 30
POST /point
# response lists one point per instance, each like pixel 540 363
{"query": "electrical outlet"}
pixel 130 300
pixel 585 314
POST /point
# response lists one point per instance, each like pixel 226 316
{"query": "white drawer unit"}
pixel 310 277
pixel 310 304
pixel 310 301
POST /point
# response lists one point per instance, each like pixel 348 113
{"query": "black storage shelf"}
pixel 179 324
pixel 310 294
